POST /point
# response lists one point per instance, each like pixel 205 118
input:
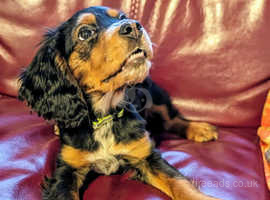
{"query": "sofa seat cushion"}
pixel 230 168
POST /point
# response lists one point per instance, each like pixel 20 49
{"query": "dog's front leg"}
pixel 158 173
pixel 162 116
pixel 65 183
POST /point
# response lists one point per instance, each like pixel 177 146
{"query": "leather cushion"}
pixel 230 168
pixel 212 56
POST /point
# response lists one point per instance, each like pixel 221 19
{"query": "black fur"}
pixel 130 127
pixel 49 89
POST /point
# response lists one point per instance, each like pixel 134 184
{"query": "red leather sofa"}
pixel 212 56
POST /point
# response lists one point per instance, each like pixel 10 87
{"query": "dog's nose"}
pixel 132 30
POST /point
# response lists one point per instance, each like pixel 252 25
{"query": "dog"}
pixel 80 78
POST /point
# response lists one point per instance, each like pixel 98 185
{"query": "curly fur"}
pixel 48 91
pixel 50 88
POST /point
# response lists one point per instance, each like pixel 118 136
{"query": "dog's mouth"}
pixel 134 59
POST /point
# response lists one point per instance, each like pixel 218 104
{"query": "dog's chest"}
pixel 104 159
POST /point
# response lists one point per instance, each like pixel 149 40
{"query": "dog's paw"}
pixel 201 132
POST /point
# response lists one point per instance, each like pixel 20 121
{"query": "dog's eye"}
pixel 122 16
pixel 85 33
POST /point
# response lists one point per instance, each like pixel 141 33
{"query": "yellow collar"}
pixel 104 120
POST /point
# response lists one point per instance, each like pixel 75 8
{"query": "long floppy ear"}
pixel 49 88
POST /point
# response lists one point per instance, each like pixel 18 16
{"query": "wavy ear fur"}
pixel 49 88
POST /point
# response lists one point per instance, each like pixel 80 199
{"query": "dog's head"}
pixel 98 50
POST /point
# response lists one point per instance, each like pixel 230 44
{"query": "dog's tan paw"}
pixel 201 132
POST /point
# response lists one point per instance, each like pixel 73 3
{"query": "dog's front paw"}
pixel 201 132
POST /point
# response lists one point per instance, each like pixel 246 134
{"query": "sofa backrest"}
pixel 212 56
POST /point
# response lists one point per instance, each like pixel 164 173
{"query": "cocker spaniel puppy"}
pixel 81 78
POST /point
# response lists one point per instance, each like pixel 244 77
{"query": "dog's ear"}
pixel 49 88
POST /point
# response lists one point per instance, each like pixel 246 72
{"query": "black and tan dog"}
pixel 79 79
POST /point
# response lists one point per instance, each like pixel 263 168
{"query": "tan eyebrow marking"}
pixel 87 18
pixel 112 12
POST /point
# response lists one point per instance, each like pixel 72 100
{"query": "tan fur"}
pixel 196 131
pixel 112 12
pixel 62 64
pixel 75 195
pixel 86 18
pixel 135 150
pixel 74 157
pixel 104 159
pixel 83 20
pixel 182 189
pixel 175 188
pixel 157 179
pixel 79 175
pixel 105 59
pixel 201 132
